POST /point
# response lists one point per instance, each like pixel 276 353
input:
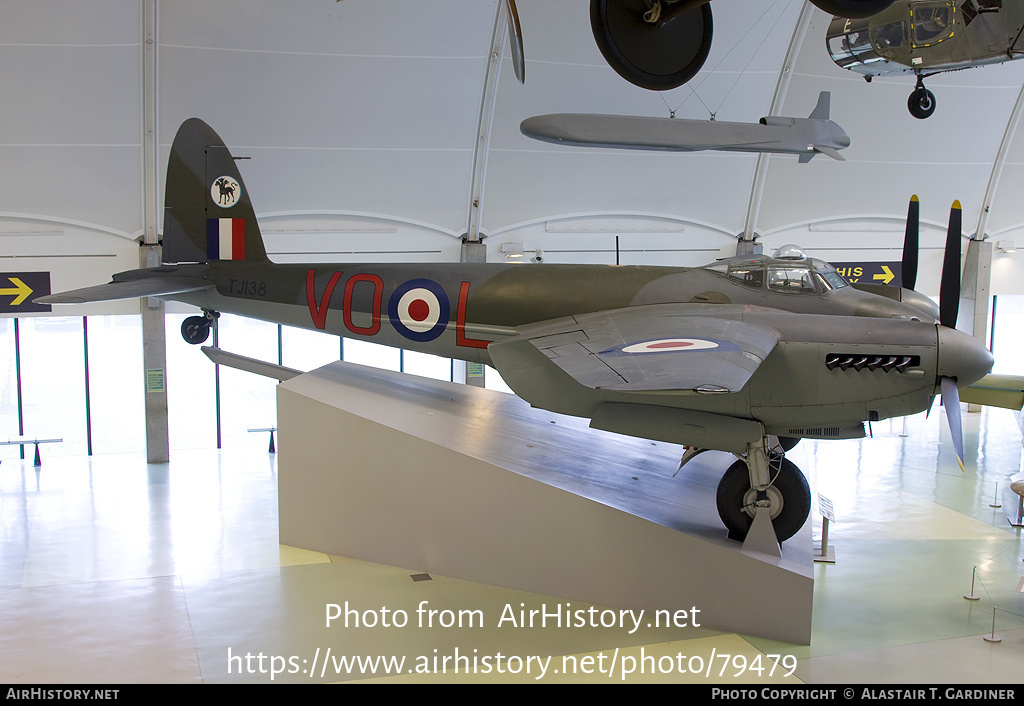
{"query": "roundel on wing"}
pixel 419 310
pixel 672 345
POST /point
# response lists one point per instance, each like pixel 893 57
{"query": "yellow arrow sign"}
pixel 20 291
pixel 887 275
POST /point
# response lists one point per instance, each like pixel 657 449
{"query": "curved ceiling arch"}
pixel 343 112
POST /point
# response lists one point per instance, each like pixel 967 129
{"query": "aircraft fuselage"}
pixel 460 310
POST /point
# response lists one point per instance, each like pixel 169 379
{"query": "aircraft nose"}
pixel 962 356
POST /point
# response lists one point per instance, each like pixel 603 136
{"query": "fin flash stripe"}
pixel 225 238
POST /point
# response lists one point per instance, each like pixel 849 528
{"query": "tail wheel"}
pixel 789 499
pixel 195 329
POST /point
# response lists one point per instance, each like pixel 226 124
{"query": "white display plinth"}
pixel 475 484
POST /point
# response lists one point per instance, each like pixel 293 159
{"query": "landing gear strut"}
pixel 196 329
pixel 763 479
pixel 922 101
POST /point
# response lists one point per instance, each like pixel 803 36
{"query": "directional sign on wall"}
pixel 18 289
pixel 871 272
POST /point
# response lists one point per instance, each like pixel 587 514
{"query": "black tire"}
pixel 789 492
pixel 195 330
pixel 652 56
pixel 853 9
pixel 921 103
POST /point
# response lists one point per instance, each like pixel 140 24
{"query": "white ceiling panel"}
pixel 370 108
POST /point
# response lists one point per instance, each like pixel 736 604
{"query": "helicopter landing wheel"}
pixel 921 103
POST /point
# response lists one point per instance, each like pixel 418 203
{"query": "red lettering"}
pixel 460 322
pixel 318 311
pixel 378 287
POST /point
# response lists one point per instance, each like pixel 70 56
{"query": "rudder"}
pixel 207 212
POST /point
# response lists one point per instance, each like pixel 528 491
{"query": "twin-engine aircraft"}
pixel 730 357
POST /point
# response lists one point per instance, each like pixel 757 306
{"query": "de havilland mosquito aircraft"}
pixel 725 357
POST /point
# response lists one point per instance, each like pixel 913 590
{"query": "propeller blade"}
pixel 951 403
pixel 949 289
pixel 910 244
pixel 515 40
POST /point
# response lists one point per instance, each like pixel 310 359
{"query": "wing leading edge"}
pixel 657 347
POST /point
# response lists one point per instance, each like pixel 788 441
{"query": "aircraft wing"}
pixel 128 289
pixel 994 390
pixel 655 347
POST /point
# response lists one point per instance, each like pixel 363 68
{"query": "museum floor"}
pixel 113 571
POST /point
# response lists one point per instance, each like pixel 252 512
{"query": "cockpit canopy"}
pixel 789 271
pixel 856 44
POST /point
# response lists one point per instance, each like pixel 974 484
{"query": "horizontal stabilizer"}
pixel 830 151
pixel 128 289
pixel 250 365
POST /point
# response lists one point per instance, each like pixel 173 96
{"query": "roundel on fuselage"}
pixel 419 310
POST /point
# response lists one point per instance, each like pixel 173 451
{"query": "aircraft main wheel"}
pixel 789 499
pixel 652 54
pixel 852 8
pixel 195 329
pixel 921 103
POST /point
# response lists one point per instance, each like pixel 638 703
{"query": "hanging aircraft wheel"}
pixel 921 103
pixel 195 329
pixel 789 499
pixel 658 55
pixel 854 9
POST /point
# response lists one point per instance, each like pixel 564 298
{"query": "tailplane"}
pixel 207 212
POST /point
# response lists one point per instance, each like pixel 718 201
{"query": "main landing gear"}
pixel 762 478
pixel 922 101
pixel 196 329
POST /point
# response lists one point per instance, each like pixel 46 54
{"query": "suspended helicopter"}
pixel 725 357
pixel 927 38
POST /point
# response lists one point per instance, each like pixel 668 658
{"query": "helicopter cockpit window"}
pixel 933 22
pixel 889 36
pixel 845 47
pixel 790 279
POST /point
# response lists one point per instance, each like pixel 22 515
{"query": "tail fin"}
pixel 822 109
pixel 207 212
